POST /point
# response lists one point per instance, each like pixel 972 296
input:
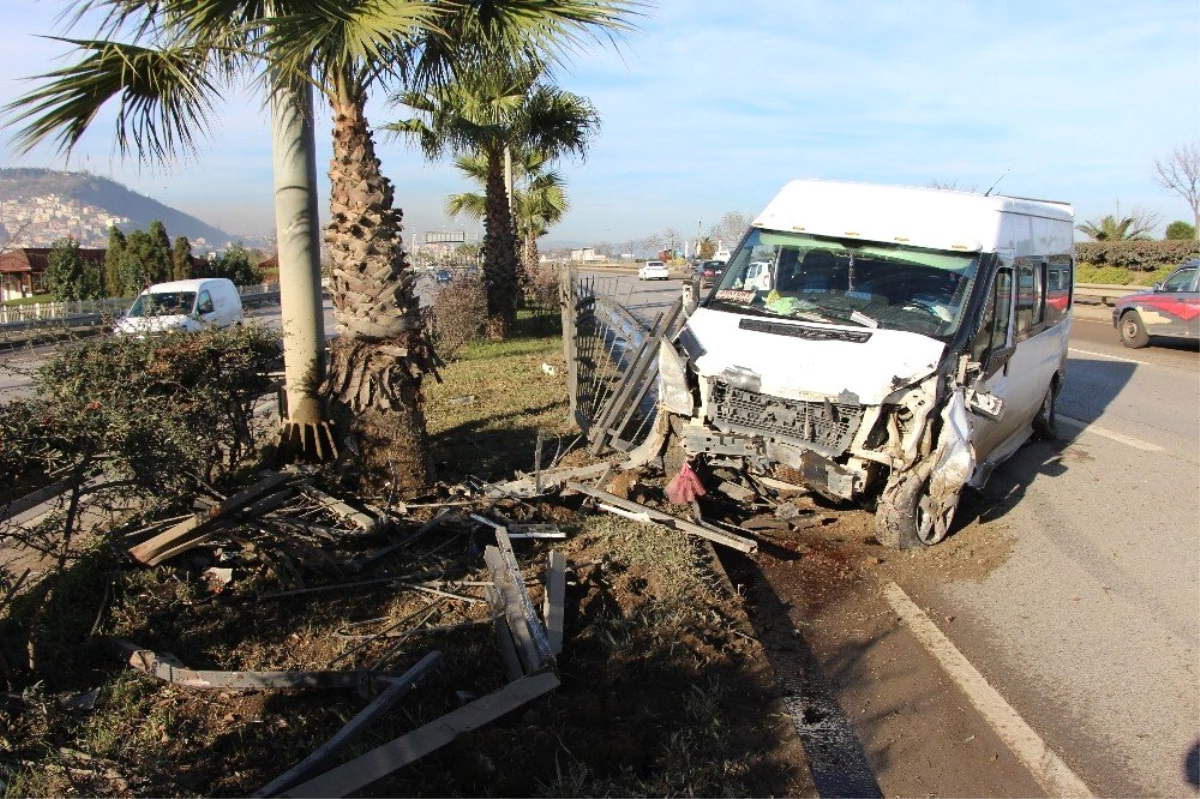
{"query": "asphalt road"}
pixel 1089 626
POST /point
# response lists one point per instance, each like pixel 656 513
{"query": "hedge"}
pixel 1140 256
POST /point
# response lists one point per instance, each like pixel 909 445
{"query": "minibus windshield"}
pixel 848 281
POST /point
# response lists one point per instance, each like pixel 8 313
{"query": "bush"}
pixel 458 315
pixel 164 412
pixel 1180 231
pixel 1139 256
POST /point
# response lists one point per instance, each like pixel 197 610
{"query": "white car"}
pixel 653 270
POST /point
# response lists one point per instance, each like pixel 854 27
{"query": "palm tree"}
pixel 492 112
pixel 1112 228
pixel 539 199
pixel 185 52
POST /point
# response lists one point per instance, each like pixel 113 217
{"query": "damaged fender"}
pixel 953 465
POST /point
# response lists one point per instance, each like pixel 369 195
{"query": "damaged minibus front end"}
pixel 852 367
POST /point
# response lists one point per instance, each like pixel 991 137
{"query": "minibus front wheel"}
pixel 908 515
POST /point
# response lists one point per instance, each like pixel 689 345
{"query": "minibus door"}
pixel 992 420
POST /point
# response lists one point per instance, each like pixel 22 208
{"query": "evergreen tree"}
pixel 112 263
pixel 137 260
pixel 67 277
pixel 161 266
pixel 181 259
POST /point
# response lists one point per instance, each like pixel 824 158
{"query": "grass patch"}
pixel 483 418
pixel 34 300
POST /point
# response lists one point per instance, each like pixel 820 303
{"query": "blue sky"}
pixel 710 107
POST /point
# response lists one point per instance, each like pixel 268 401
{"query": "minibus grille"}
pixel 826 427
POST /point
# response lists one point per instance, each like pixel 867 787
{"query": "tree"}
pixel 181 259
pixel 539 199
pixel 139 266
pixel 730 229
pixel 184 53
pixel 235 265
pixel 113 262
pixel 1179 172
pixel 1134 227
pixel 67 276
pixel 1180 231
pixel 501 109
pixel 706 248
pixel 163 260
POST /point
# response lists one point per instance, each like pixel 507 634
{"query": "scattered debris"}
pixel 194 530
pixel 658 517
pixel 469 399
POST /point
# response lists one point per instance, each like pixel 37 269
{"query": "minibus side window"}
pixel 1059 282
pixel 993 332
pixel 1029 296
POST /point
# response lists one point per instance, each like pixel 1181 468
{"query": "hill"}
pixel 46 204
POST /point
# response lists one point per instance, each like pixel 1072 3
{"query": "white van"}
pixel 905 341
pixel 184 306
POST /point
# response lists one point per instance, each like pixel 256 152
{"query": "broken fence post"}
pixel 554 607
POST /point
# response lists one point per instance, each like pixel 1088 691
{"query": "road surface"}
pixel 1080 610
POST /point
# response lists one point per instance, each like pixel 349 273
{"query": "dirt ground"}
pixel 665 689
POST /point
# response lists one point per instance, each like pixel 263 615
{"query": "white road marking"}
pixel 1129 441
pixel 1046 767
pixel 1106 356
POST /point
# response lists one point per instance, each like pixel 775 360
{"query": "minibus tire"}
pixel 1044 420
pixel 1133 332
pixel 899 516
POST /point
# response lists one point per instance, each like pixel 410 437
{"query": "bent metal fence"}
pixel 612 360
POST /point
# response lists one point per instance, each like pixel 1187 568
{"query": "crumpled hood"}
pixel 805 369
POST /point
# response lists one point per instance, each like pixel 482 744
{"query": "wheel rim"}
pixel 1048 406
pixel 933 519
pixel 1131 327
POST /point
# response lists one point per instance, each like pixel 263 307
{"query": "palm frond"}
pixel 470 204
pixel 165 97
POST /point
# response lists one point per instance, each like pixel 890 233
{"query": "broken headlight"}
pixel 673 391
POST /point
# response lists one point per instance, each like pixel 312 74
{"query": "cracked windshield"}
pixel 848 281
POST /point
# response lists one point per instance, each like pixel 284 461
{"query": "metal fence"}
pixel 612 361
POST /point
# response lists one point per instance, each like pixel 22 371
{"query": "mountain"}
pixel 39 206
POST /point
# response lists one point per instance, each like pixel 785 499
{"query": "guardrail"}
pixel 89 313
pixel 1103 293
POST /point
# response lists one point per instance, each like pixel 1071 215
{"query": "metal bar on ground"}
pixel 658 517
pixel 377 708
pixel 383 760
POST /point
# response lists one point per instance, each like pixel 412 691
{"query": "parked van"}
pixel 183 305
pixel 903 343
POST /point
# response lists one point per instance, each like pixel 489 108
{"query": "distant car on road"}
pixel 443 276
pixel 653 270
pixel 1171 308
pixel 710 272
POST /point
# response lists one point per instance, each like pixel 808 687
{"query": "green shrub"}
pixel 1139 256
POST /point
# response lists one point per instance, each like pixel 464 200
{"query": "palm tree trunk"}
pixel 382 352
pixel 296 223
pixel 499 253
